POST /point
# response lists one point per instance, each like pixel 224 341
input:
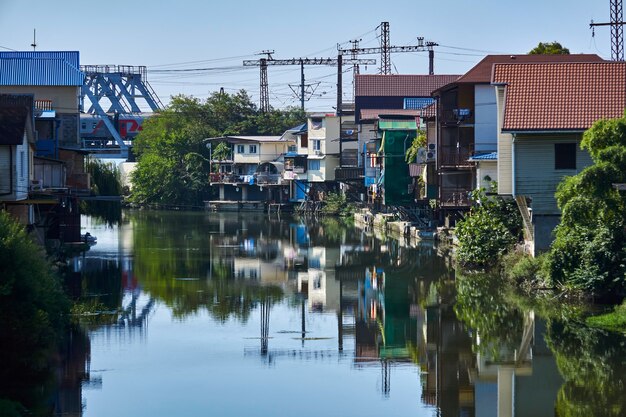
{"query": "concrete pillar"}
pixel 506 393
pixel 222 192
pixel 244 193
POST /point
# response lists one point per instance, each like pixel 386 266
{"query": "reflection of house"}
pixel 253 170
pixel 320 282
pixel 543 110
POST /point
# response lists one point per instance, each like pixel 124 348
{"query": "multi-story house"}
pixel 392 96
pixel 543 110
pixel 252 172
pixel 311 164
pixel 467 127
pixel 17 144
pixel 55 81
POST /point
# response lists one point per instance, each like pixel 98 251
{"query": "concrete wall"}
pixel 483 169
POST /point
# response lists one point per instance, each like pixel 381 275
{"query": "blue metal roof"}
pixel 298 129
pixel 417 103
pixel 492 156
pixel 39 72
pixel 72 57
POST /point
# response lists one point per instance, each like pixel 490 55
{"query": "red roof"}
pixel 370 85
pixel 481 72
pixel 563 96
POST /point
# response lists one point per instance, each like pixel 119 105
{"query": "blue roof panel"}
pixel 492 156
pixel 39 72
pixel 72 57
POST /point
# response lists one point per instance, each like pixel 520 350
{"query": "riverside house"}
pixel 543 110
pixel 251 174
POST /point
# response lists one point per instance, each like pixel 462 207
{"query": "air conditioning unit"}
pixel 421 155
pixel 431 152
pixel 432 147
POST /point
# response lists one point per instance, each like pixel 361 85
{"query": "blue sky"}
pixel 219 35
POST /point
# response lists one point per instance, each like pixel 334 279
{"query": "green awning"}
pixel 400 124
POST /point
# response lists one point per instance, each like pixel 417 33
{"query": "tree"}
pixel 549 48
pixel 173 160
pixel 589 251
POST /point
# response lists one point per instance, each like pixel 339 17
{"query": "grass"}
pixel 614 321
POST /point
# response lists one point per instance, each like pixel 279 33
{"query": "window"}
pixel 252 148
pixel 23 164
pixel 317 123
pixel 317 144
pixel 314 165
pixel 564 156
pixel 240 149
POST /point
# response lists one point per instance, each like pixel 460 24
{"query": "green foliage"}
pixel 592 363
pixel 549 48
pixel 337 204
pixel 589 251
pixel 418 142
pixel 615 320
pixel 173 164
pixel 33 308
pixel 524 270
pixel 105 178
pixel 482 306
pixel 490 230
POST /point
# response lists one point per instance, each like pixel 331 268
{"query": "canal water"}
pixel 205 314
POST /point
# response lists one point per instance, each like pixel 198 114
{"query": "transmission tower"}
pixel 385 52
pixel 264 105
pixel 265 62
pixel 617 30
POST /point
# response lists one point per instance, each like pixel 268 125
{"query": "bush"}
pixel 337 204
pixel 523 269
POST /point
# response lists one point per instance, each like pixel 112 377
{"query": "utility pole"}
pixel 617 30
pixel 355 68
pixel 385 52
pixel 34 44
pixel 264 63
pixel 339 102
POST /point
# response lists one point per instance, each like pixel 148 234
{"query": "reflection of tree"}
pixel 178 262
pixel 482 306
pixel 593 364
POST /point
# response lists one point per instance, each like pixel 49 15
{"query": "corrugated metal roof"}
pixel 373 114
pixel 39 72
pixel 491 156
pixel 72 57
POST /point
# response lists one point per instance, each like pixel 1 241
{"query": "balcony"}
pixel 457 116
pixel 455 197
pixel 268 179
pixel 43 105
pixel 455 156
pixel 349 173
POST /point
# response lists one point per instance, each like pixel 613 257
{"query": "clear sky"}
pixel 218 35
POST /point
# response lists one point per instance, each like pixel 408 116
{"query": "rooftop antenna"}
pixel 34 44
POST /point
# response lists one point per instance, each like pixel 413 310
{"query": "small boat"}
pixel 89 238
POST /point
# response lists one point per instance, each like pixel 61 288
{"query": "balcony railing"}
pixel 348 173
pixel 455 197
pixel 263 178
pixel 43 104
pixel 453 156
pixel 269 179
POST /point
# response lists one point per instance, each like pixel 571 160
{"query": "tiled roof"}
pixel 565 96
pixel 372 114
pixel 370 85
pixel 39 72
pixel 430 111
pixel 481 72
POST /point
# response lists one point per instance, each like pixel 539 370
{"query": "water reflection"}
pixel 263 312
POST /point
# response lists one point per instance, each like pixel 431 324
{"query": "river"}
pixel 247 315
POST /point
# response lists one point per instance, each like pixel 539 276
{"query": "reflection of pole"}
pixel 386 377
pixel 303 323
pixel 265 324
pixel 340 317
